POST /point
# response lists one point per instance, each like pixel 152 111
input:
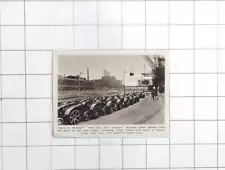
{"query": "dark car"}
pixel 87 103
pixel 119 104
pixel 141 95
pixel 60 103
pixel 131 99
pixel 126 101
pixel 135 98
pixel 95 109
pixel 113 99
pixel 70 115
pixel 107 108
pixel 61 113
pixel 104 100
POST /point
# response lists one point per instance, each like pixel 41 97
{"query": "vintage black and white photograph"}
pixel 126 89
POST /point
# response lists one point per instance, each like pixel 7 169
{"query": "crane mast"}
pixel 150 62
pixel 156 72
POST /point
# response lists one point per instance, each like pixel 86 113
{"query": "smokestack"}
pixel 87 73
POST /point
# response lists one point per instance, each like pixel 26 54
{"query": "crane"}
pixel 152 65
pixel 157 72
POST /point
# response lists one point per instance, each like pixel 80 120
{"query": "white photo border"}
pixel 68 131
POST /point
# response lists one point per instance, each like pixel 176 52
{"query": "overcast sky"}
pixel 116 65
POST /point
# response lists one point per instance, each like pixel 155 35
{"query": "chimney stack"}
pixel 87 73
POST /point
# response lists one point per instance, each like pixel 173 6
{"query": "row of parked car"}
pixel 73 112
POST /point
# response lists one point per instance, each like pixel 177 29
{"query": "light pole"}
pixel 124 86
pixel 79 83
pixel 79 80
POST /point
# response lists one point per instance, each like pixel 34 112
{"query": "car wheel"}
pixel 114 109
pixel 111 110
pixel 103 112
pixel 86 116
pixel 60 121
pixel 96 115
pixel 74 117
